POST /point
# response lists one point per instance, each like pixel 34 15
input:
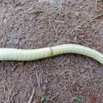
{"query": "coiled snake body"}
pixel 36 54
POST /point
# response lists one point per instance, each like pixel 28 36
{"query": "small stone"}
pixel 16 41
pixel 4 20
pixel 1 1
pixel 76 13
pixel 17 2
pixel 102 21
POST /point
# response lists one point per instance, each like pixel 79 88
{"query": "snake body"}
pixel 36 54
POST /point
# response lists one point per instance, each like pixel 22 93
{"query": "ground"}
pixel 29 24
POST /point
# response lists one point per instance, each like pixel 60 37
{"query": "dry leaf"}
pixel 93 97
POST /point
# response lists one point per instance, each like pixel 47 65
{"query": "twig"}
pixel 76 28
pixel 32 96
pixel 91 19
pixel 88 20
pixel 98 16
pixel 99 0
pixel 96 5
pixel 54 97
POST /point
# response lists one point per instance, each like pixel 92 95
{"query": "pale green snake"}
pixel 36 54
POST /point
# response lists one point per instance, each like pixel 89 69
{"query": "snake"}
pixel 13 54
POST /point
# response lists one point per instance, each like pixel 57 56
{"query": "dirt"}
pixel 29 24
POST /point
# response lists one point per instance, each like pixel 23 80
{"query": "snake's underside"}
pixel 36 54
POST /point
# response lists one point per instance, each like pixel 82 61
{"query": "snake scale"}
pixel 36 54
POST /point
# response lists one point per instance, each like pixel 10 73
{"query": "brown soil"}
pixel 29 24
